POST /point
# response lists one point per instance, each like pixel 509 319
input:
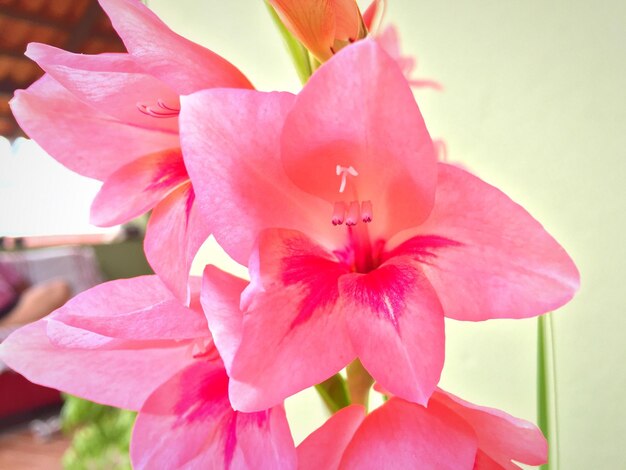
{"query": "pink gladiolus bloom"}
pixel 131 344
pixel 449 434
pixel 358 242
pixel 114 117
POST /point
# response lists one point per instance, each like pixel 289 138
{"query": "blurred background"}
pixel 534 103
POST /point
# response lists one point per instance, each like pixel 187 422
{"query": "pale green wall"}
pixel 535 103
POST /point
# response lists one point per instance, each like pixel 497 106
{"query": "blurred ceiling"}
pixel 73 25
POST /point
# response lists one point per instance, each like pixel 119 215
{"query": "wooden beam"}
pixel 82 29
pixel 13 54
pixel 37 20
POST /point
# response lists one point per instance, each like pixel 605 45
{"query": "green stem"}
pixel 359 383
pixel 546 389
pixel 333 393
pixel 299 54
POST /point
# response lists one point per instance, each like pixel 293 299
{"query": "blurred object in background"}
pixel 42 280
pixel 74 25
pixel 95 433
pixel 101 435
pixel 49 249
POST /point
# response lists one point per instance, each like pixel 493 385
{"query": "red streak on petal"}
pixel 209 399
pixel 384 290
pixel 422 247
pixel 309 268
pixel 170 172
pixel 230 441
pixel 318 277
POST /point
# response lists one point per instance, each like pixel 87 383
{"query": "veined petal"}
pixel 400 434
pixel 137 187
pixel 220 297
pixel 111 83
pixel 397 328
pixel 360 137
pixel 501 437
pixel 486 256
pixel 311 21
pixel 184 65
pixel 60 123
pixel 291 315
pixel 230 141
pixel 324 448
pixel 347 20
pixel 189 423
pixel 92 373
pixel 139 309
pixel 174 235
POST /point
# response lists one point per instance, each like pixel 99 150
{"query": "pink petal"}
pixel 291 314
pixel 188 422
pixel 183 65
pixel 220 300
pixel 397 328
pixel 325 446
pixel 63 126
pixel 312 22
pixel 501 437
pixel 367 121
pixel 230 141
pixel 137 187
pixel 140 309
pixel 484 462
pixel 265 439
pixel 111 83
pixel 400 434
pixel 174 235
pixel 121 377
pixel 486 256
pixel 390 42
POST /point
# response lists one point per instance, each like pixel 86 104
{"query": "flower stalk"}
pixel 546 389
pixel 359 383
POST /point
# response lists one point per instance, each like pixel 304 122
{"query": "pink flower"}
pixel 449 434
pixel 358 242
pixel 131 344
pixel 114 117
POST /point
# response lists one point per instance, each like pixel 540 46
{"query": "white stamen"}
pixel 344 172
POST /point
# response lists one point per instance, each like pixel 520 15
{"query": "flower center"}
pixel 161 110
pixel 350 213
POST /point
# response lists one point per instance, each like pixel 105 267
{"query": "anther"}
pixel 353 213
pixel 161 110
pixel 339 213
pixel 367 211
pixel 344 172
